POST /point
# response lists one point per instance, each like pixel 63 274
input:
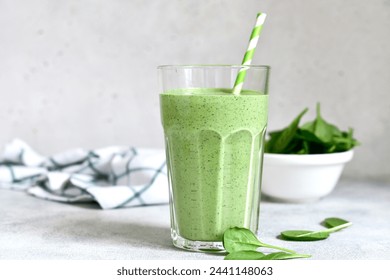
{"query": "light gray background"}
pixel 83 72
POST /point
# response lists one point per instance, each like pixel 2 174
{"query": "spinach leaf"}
pixel 333 224
pixel 336 224
pixel 344 142
pixel 281 139
pixel 308 135
pixel 245 255
pixel 283 256
pixel 242 239
pixel 321 129
pixel 304 235
pixel 314 137
pixel 254 255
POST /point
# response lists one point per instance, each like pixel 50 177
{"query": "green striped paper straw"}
pixel 249 53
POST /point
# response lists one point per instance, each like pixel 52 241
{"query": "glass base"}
pixel 197 246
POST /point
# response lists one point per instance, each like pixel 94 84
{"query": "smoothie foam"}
pixel 213 141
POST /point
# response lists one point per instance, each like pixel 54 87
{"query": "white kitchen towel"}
pixel 114 176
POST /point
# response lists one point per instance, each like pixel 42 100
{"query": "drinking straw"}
pixel 249 53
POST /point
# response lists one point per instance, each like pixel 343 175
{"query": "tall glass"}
pixel 214 145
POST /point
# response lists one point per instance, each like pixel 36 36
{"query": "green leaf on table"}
pixel 245 255
pixel 255 255
pixel 304 235
pixel 332 224
pixel 242 239
pixel 280 140
pixel 335 224
pixel 283 256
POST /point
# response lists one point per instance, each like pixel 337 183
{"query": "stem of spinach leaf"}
pixel 276 247
pixel 329 230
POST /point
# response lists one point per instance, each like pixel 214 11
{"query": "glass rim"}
pixel 233 66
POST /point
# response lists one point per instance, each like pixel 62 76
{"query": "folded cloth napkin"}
pixel 114 177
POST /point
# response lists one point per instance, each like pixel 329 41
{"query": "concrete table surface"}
pixel 31 228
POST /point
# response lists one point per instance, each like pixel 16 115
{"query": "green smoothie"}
pixel 213 143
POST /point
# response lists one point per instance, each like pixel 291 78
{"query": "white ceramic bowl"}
pixel 302 178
